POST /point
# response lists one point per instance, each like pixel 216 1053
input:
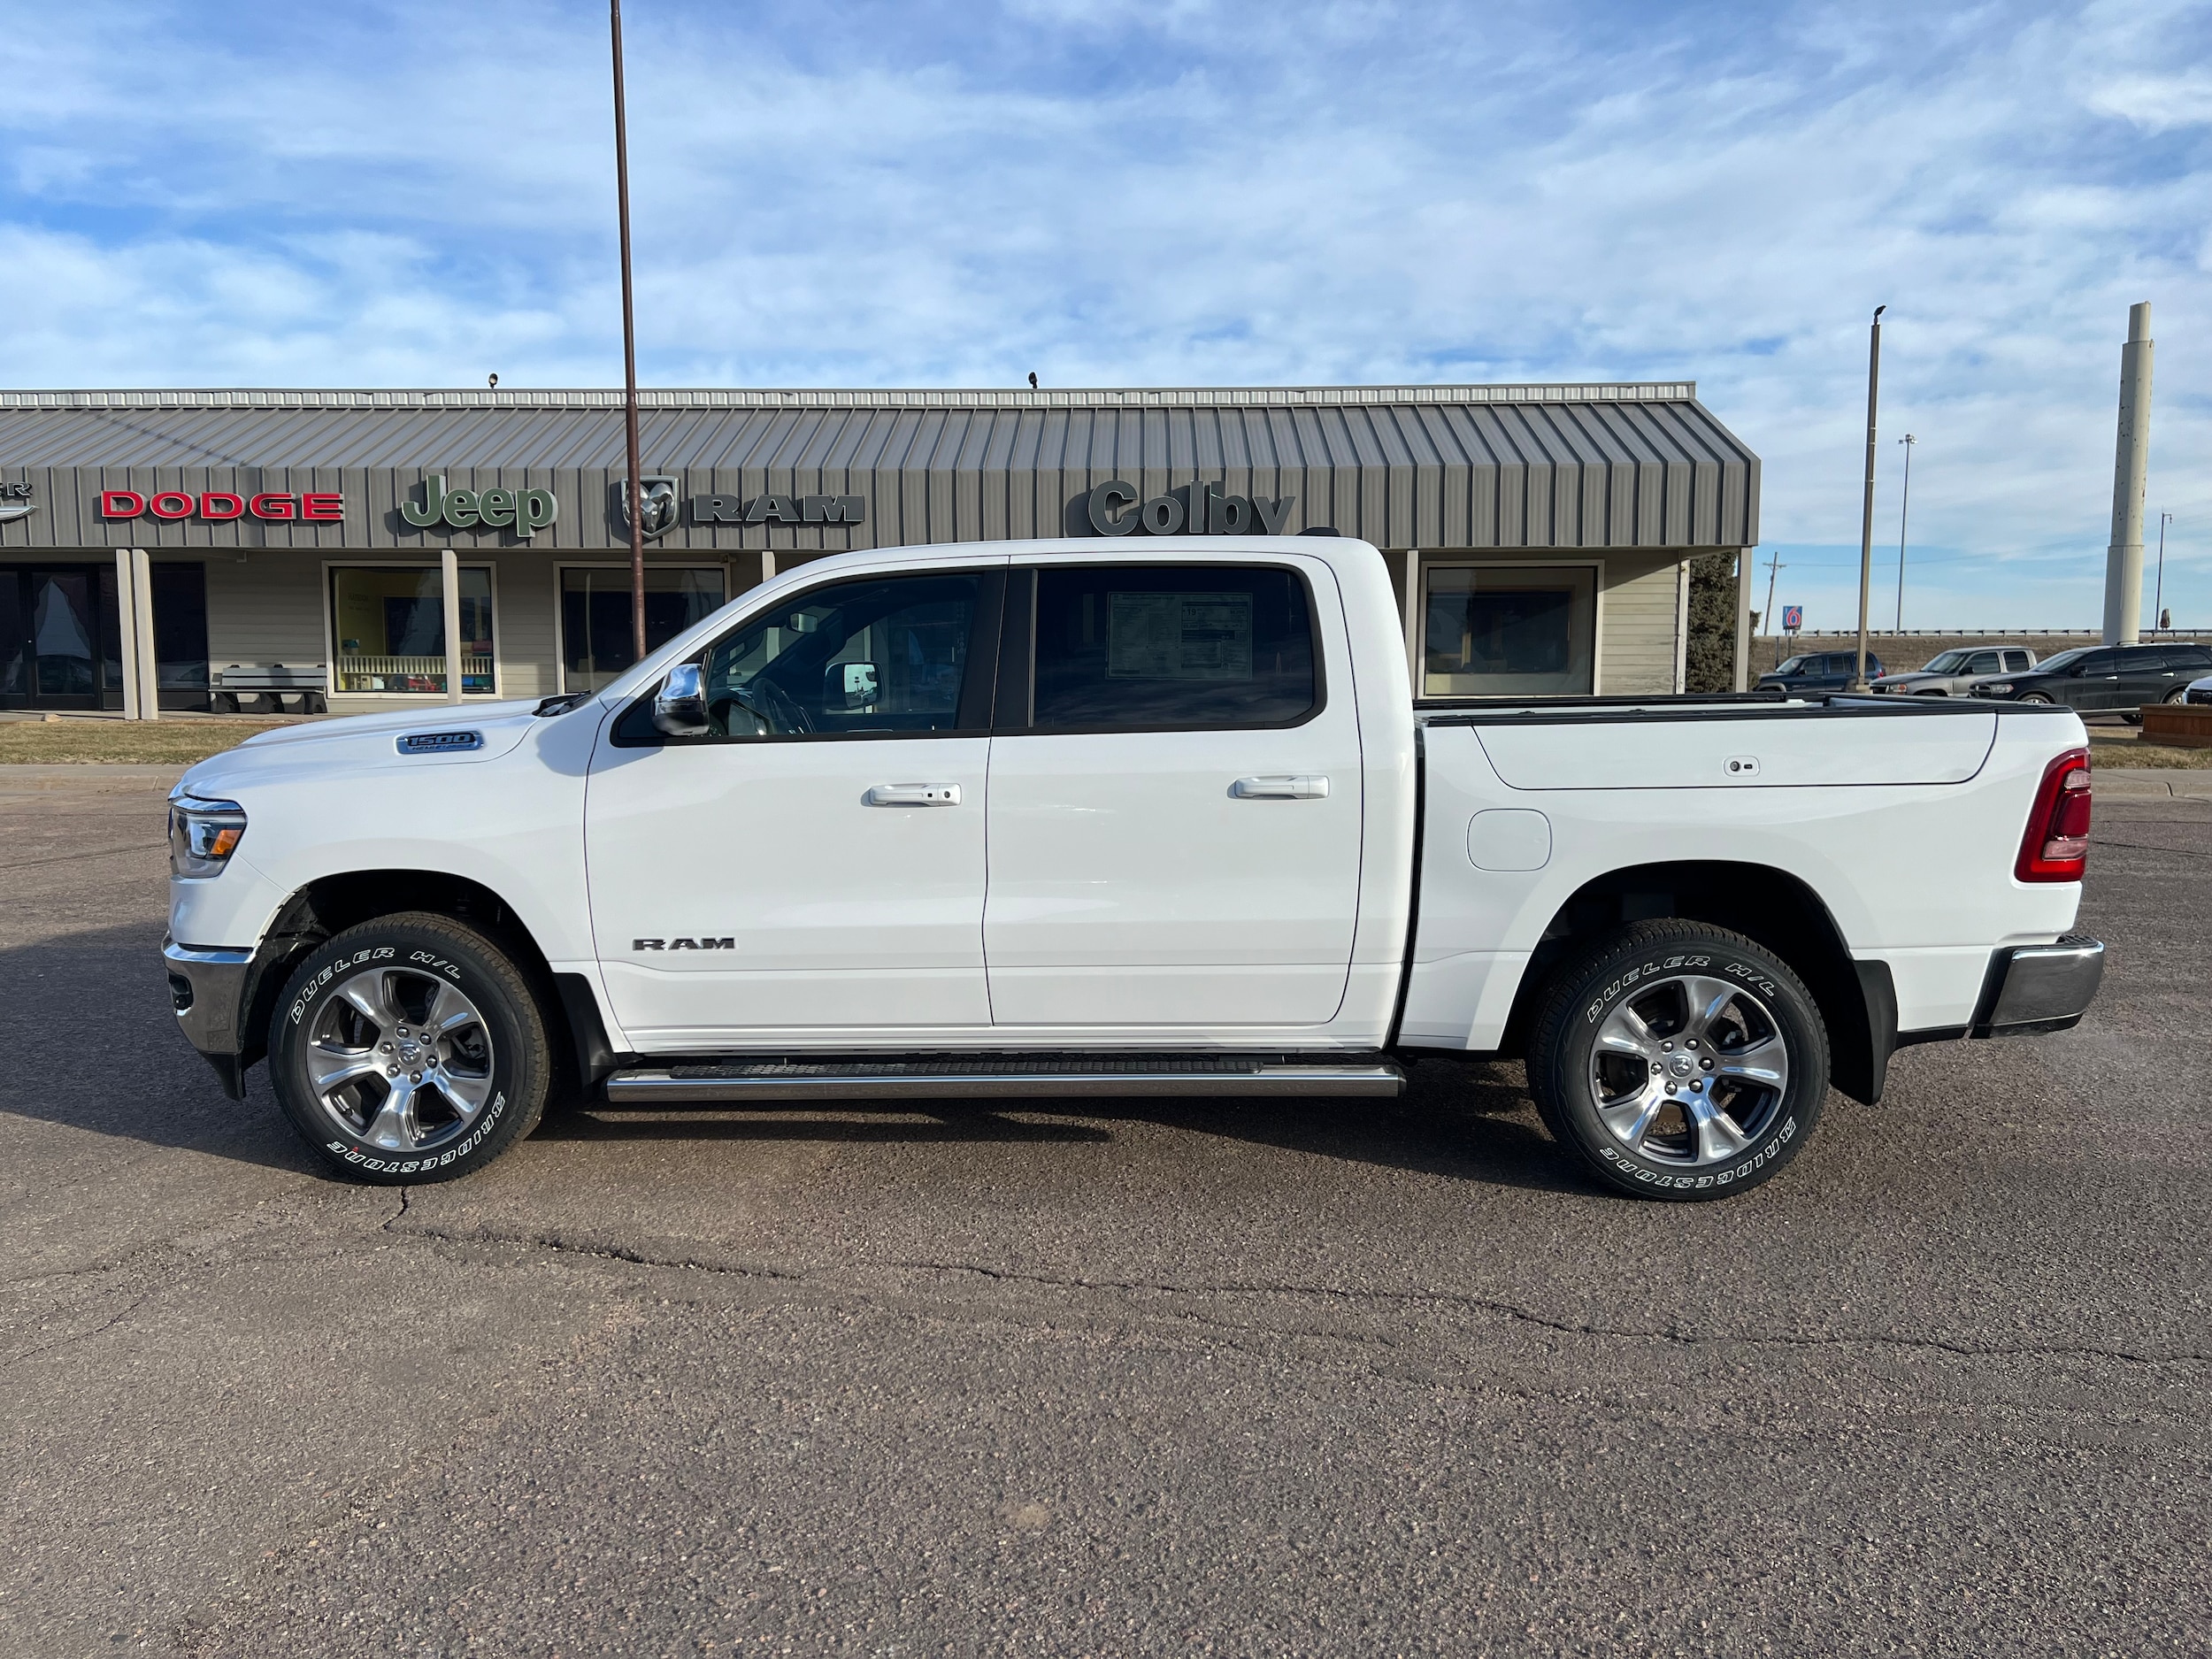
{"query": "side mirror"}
pixel 849 686
pixel 680 707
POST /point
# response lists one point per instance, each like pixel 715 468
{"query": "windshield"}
pixel 1790 665
pixel 1947 663
pixel 2064 659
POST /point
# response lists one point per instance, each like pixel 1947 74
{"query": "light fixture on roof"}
pixel 492 380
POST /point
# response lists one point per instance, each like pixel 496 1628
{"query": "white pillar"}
pixel 2124 558
pixel 1681 627
pixel 450 569
pixel 768 565
pixel 143 628
pixel 1743 618
pixel 1413 619
pixel 126 629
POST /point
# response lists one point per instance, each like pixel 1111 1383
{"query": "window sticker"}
pixel 1179 636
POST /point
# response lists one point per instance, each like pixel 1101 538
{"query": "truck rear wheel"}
pixel 1679 1060
pixel 409 1048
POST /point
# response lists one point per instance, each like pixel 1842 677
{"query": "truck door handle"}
pixel 1279 787
pixel 913 795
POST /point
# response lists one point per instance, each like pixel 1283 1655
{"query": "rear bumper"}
pixel 208 989
pixel 2040 987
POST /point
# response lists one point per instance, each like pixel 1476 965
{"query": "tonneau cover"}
pixel 1737 745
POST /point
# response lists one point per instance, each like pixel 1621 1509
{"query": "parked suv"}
pixel 2106 679
pixel 1818 671
pixel 1949 674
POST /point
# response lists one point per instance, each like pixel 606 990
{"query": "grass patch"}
pixel 2114 749
pixel 121 742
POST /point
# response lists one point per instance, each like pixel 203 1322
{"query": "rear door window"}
pixel 2016 662
pixel 1168 647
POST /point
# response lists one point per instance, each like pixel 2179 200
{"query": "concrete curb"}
pixel 95 775
pixel 2152 783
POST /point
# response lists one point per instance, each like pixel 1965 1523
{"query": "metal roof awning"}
pixel 1599 466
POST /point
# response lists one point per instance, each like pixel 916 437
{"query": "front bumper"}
pixel 208 989
pixel 2040 987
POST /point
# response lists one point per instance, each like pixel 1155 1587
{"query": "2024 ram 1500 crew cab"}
pixel 1051 820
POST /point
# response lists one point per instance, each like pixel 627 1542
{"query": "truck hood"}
pixel 364 742
pixel 1916 677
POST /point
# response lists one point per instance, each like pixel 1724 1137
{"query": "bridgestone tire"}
pixel 499 1057
pixel 1578 1044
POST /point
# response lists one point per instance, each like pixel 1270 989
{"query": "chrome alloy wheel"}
pixel 1689 1070
pixel 399 1059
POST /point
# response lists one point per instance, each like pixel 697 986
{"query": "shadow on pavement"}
pixel 99 1050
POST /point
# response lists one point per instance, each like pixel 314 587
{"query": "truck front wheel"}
pixel 1679 1060
pixel 409 1048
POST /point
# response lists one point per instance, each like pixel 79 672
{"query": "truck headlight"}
pixel 1993 688
pixel 202 835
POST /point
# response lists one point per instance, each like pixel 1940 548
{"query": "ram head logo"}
pixel 661 502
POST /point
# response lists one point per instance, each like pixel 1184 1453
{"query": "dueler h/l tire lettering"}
pixel 1679 1060
pixel 409 1048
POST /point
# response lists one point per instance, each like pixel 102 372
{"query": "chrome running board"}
pixel 1058 1077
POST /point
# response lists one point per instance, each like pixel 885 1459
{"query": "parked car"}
pixel 2200 690
pixel 1949 674
pixel 2106 679
pixel 1066 819
pixel 1818 672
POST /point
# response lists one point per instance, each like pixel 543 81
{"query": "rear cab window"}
pixel 1160 647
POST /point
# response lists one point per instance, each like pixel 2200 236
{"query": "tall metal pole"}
pixel 1904 508
pixel 2158 594
pixel 636 486
pixel 1866 515
pixel 1774 569
pixel 2124 558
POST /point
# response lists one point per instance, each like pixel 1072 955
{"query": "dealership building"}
pixel 196 549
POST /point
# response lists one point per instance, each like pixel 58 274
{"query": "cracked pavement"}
pixel 1301 1378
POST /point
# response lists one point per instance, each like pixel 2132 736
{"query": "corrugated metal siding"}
pixel 1637 650
pixel 1448 467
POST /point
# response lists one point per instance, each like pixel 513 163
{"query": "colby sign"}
pixel 1199 512
pixel 525 512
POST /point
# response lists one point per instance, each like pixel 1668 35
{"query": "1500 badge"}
pixel 683 944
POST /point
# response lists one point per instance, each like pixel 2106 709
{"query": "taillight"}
pixel 2057 845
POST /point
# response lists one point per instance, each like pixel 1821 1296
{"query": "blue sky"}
pixel 1188 193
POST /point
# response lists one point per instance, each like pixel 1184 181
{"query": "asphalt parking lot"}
pixel 1306 1378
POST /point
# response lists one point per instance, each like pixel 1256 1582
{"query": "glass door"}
pixel 60 637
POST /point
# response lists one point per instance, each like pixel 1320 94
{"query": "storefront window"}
pixel 1508 631
pixel 389 627
pixel 596 639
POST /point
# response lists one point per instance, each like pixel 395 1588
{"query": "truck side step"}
pixel 998 1077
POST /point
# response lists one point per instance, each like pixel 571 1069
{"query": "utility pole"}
pixel 1866 513
pixel 1904 507
pixel 636 485
pixel 1774 567
pixel 2158 598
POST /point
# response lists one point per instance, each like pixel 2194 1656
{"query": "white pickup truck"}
pixel 1055 819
